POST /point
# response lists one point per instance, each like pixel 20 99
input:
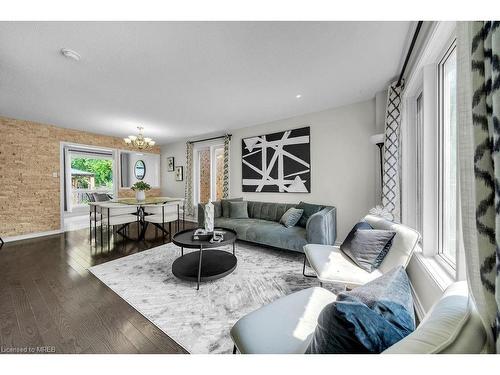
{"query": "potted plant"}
pixel 140 188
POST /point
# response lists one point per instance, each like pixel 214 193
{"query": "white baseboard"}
pixel 31 235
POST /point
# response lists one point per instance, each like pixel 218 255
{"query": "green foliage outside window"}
pixel 102 169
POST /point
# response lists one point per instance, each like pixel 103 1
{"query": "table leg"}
pixel 108 231
pixel 199 269
pixel 182 250
pixel 95 225
pixel 234 248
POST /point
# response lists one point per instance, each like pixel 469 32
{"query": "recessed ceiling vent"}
pixel 70 54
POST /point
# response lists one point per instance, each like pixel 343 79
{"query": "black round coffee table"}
pixel 207 263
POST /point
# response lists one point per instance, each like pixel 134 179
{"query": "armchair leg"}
pixel 234 349
pixel 304 269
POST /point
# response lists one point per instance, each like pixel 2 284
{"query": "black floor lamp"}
pixel 378 139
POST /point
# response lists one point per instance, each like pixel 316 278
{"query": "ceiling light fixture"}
pixel 70 54
pixel 139 141
pixel 298 96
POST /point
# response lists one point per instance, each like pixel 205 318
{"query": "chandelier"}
pixel 139 141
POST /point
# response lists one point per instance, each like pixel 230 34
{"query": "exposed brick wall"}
pixel 219 183
pixel 29 155
pixel 204 176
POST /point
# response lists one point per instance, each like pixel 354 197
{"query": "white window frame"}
pixel 452 263
pixel 423 78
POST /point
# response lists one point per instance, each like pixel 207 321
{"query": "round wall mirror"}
pixel 140 169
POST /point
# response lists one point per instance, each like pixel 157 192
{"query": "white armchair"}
pixel 160 214
pixel 113 214
pixel 286 326
pixel 331 265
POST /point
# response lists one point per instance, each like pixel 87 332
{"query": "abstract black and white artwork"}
pixel 277 162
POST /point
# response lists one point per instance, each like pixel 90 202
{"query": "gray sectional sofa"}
pixel 263 227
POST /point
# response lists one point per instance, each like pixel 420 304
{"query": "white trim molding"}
pixel 32 235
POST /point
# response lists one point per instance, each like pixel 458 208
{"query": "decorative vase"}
pixel 140 195
pixel 209 217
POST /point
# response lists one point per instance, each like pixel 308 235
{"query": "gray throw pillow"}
pixel 291 217
pixel 225 205
pixel 238 210
pixel 309 210
pixel 101 197
pixel 217 208
pixel 368 247
pixel 367 319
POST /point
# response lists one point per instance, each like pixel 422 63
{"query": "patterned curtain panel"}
pixel 391 178
pixel 225 175
pixel 188 192
pixel 478 50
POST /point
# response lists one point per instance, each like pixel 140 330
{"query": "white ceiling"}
pixel 180 79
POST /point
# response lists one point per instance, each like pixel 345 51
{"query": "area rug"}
pixel 200 320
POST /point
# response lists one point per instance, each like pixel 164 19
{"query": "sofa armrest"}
pixel 321 227
pixel 201 215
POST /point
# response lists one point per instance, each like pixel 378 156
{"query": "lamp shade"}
pixel 377 138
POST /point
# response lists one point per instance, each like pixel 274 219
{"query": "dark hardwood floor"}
pixel 49 302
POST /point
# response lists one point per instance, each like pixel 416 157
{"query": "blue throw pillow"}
pixel 291 217
pixel 368 319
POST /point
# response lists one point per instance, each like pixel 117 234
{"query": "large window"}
pixel 448 171
pixel 209 166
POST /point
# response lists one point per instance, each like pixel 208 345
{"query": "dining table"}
pixel 140 204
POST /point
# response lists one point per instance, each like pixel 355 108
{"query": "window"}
pixel 448 168
pixel 209 173
pixel 419 163
pixel 86 171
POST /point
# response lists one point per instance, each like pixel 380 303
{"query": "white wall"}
pixel 342 167
pixel 170 187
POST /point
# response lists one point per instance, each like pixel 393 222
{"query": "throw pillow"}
pixel 368 247
pixel 101 197
pixel 225 205
pixel 309 210
pixel 291 217
pixel 217 208
pixel 238 210
pixel 368 319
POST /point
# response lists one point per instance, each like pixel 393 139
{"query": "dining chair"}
pixel 159 214
pixel 113 214
pixel 94 219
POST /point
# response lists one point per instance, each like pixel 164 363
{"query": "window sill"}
pixel 440 273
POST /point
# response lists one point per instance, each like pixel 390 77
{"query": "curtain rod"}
pixel 410 50
pixel 212 138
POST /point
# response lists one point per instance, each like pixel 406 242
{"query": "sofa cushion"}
pixel 225 205
pixel 368 247
pixel 267 210
pixel 368 319
pixel 238 210
pixel 291 217
pixel 274 234
pixel 309 210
